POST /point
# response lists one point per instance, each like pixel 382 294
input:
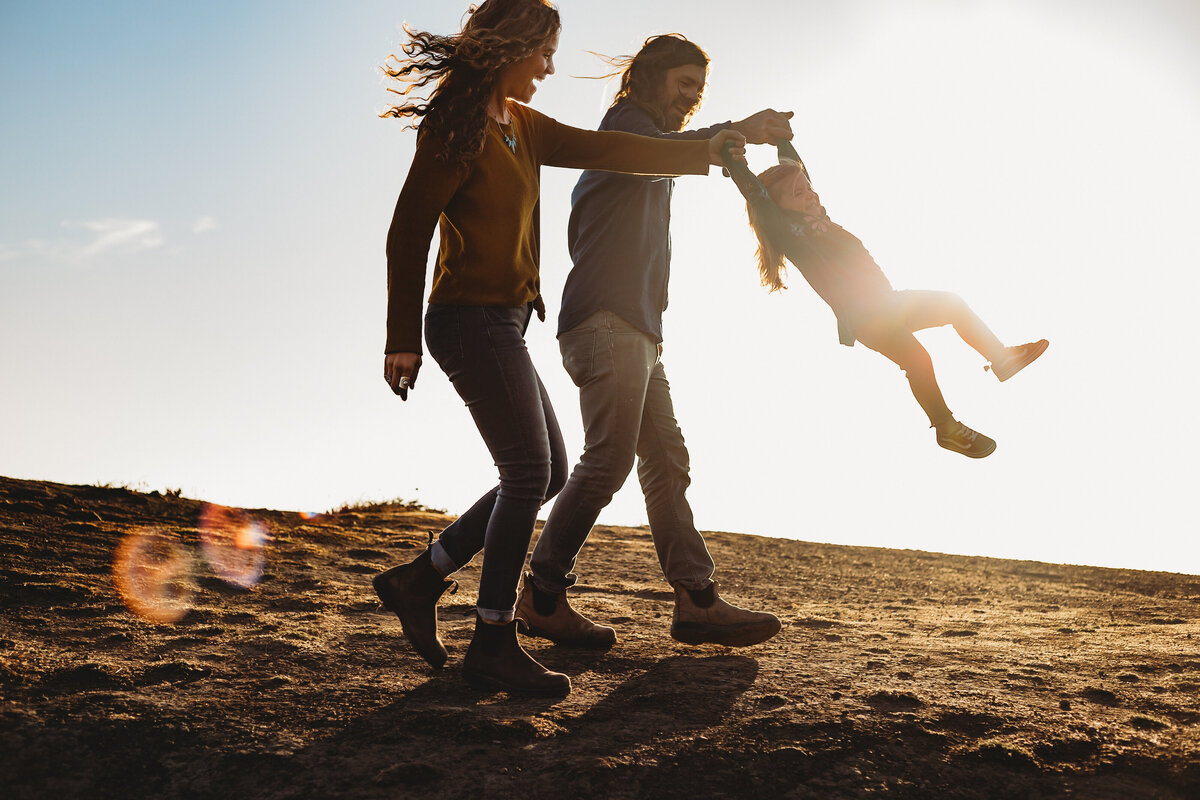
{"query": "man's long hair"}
pixel 642 74
pixel 772 268
pixel 464 67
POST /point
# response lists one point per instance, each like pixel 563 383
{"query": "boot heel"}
pixel 411 592
pixel 378 583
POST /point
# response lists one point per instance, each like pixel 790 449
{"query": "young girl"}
pixel 790 222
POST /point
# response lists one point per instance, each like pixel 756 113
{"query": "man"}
pixel 610 336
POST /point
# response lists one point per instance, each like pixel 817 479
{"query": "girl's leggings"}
pixel 891 334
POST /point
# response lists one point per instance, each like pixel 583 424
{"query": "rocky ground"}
pixel 151 646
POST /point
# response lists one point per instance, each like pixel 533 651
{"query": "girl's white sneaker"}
pixel 1017 358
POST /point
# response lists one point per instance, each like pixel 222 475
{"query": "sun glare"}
pixel 155 575
pixel 233 544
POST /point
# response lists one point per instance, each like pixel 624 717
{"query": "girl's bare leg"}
pixel 893 341
pixel 917 310
pixel 896 343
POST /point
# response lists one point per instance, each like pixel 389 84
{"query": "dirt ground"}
pixel 897 673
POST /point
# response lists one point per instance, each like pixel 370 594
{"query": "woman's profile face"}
pixel 518 79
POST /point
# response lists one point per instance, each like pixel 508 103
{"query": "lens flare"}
pixel 233 544
pixel 310 515
pixel 154 574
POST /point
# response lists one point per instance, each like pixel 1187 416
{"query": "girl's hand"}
pixel 727 140
pixel 400 371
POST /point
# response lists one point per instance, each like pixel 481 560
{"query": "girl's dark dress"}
pixel 833 260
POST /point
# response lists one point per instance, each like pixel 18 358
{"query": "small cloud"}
pixel 204 225
pixel 92 240
pixel 125 235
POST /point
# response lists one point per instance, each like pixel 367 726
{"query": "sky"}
pixel 195 199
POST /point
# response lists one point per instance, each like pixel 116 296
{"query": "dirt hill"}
pixel 260 665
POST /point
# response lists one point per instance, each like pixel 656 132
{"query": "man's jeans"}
pixel 482 351
pixel 627 411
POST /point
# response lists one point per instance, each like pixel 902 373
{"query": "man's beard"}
pixel 678 113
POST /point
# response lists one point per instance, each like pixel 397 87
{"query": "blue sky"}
pixel 195 200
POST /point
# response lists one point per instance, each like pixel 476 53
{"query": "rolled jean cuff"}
pixel 554 587
pixel 696 585
pixel 501 617
pixel 442 561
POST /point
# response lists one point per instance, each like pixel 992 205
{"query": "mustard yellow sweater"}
pixel 488 213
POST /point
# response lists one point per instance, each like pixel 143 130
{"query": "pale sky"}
pixel 195 199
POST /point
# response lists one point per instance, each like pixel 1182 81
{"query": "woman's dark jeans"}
pixel 482 350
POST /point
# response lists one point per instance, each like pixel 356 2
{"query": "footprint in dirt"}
pixel 1100 696
pixel 894 701
pixel 174 672
pixel 367 553
pixel 297 604
pixel 970 723
pixel 88 676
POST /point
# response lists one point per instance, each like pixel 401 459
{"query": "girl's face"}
pixel 788 187
pixel 517 79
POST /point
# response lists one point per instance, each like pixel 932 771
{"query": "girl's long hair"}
pixel 464 68
pixel 642 74
pixel 772 266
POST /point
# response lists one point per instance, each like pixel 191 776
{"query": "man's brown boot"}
pixel 702 617
pixel 551 617
pixel 411 591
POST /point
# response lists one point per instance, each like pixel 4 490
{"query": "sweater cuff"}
pixel 402 342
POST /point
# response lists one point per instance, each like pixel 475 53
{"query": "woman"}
pixel 476 171
pixel 789 221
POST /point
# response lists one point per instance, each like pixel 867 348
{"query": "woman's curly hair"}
pixel 464 68
pixel 642 74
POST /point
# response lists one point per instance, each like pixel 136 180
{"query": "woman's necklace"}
pixel 510 138
pixel 497 110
